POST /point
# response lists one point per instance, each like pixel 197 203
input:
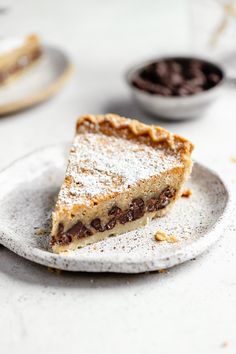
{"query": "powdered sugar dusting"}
pixel 101 165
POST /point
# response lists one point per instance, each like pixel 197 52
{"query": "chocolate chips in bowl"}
pixel 176 87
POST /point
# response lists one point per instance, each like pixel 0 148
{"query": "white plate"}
pixel 27 193
pixel 40 82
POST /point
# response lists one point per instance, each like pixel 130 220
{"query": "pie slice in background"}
pixel 17 55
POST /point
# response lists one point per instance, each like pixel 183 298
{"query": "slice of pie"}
pixel 17 55
pixel 121 174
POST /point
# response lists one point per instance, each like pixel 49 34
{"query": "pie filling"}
pixel 136 210
pixel 21 63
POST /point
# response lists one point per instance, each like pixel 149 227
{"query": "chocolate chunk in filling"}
pixel 111 223
pixel 78 230
pixel 126 217
pixel 165 197
pixel 115 210
pixel 96 224
pixel 169 192
pixel 65 239
pixel 137 203
pixel 137 208
pixel 60 229
pixel 152 204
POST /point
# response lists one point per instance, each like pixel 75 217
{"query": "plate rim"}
pixel 134 264
pixel 43 94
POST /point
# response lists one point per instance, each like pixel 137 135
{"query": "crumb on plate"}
pixel 161 236
pixel 40 231
pixel 54 270
pixel 162 271
pixel 187 193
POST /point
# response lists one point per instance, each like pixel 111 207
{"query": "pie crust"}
pixel 121 174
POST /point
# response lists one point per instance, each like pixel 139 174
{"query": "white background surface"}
pixel 189 309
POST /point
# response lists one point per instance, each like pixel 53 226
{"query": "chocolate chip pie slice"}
pixel 121 174
pixel 17 55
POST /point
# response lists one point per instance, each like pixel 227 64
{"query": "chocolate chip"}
pixel 53 240
pixel 138 213
pixel 115 211
pixel 96 224
pixel 165 91
pixel 151 204
pixel 161 69
pixel 195 64
pixel 214 78
pixel 65 239
pixel 165 198
pixel 168 192
pixel 111 223
pixel 126 217
pixel 198 80
pixel 176 67
pixel 76 229
pixel 86 232
pixel 198 89
pixel 137 203
pixel 79 230
pixel 163 202
pixel 177 77
pixel 183 91
pixel 60 229
pixel 137 208
pixel 62 239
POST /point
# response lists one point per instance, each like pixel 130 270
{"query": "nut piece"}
pixel 172 239
pixel 161 236
pixel 187 193
pixel 40 231
pixel 54 270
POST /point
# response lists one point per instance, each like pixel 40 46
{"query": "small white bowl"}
pixel 175 107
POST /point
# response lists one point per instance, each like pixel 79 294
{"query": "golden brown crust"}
pixel 113 124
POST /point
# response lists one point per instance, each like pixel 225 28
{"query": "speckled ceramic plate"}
pixel 27 193
pixel 40 82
